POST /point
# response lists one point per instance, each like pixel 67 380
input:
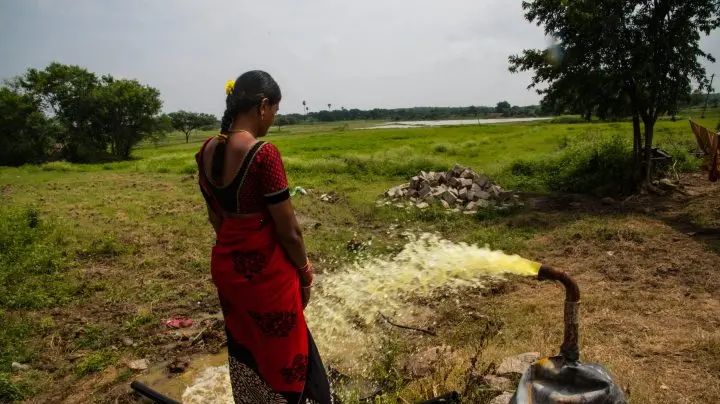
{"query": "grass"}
pixel 93 253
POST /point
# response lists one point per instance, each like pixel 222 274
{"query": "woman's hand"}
pixel 305 293
pixel 306 282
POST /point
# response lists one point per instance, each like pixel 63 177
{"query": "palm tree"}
pixel 305 107
pixel 329 107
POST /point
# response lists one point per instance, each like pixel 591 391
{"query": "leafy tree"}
pixel 63 90
pixel 95 115
pixel 186 122
pixel 503 107
pixel 125 113
pixel 25 132
pixel 634 57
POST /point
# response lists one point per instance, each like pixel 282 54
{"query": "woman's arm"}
pixel 291 240
pixel 289 233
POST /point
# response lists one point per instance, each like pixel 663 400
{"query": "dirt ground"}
pixel 649 272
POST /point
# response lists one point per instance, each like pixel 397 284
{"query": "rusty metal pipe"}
pixel 569 348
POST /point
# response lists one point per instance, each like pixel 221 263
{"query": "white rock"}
pixel 422 205
pixel 139 364
pixel 19 367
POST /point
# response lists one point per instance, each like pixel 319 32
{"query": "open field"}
pixel 98 255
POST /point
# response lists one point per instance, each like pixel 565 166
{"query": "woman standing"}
pixel 259 265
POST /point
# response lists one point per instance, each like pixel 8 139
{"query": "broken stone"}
pixel 453 182
pixel 424 190
pixel 471 206
pixel 482 180
pixel 457 170
pixel 19 367
pixel 463 194
pixel 470 212
pixel 503 398
pixel 466 182
pixel 127 341
pixel 499 383
pixel 422 205
pixel 483 204
pixel 448 197
pixel 445 204
pixel 483 195
pixel 517 364
pixel 139 364
pixel 177 366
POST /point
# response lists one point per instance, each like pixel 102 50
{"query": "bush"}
pixel 599 165
pixel 31 261
pixel 94 362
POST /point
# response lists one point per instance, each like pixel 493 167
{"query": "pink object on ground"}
pixel 179 322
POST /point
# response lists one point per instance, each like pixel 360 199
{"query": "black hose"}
pixel 153 395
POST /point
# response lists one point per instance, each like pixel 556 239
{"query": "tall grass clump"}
pixel 600 165
pixel 32 261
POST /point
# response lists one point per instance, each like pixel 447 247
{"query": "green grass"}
pixel 93 252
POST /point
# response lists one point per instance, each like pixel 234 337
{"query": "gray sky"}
pixel 356 54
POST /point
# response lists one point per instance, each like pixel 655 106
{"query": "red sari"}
pixel 258 286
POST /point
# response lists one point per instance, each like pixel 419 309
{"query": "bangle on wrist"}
pixel 307 269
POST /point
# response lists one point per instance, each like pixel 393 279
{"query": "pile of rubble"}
pixel 459 189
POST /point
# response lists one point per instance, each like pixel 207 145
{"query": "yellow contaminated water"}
pixel 344 313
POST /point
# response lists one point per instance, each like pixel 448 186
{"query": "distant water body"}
pixel 452 122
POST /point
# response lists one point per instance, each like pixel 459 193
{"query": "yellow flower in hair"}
pixel 229 87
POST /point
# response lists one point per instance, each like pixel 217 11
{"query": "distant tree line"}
pixel 502 109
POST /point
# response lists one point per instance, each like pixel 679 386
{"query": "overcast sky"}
pixel 356 54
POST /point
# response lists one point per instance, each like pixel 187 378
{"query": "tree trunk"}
pixel 637 150
pixel 187 137
pixel 649 128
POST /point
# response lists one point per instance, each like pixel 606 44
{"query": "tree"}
pixel 125 113
pixel 634 57
pixel 186 122
pixel 503 107
pixel 25 132
pixel 329 107
pixel 63 91
pixel 94 115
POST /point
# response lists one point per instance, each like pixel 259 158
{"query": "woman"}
pixel 259 265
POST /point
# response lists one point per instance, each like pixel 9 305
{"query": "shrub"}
pixel 9 391
pixel 94 362
pixel 601 165
pixel 31 261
